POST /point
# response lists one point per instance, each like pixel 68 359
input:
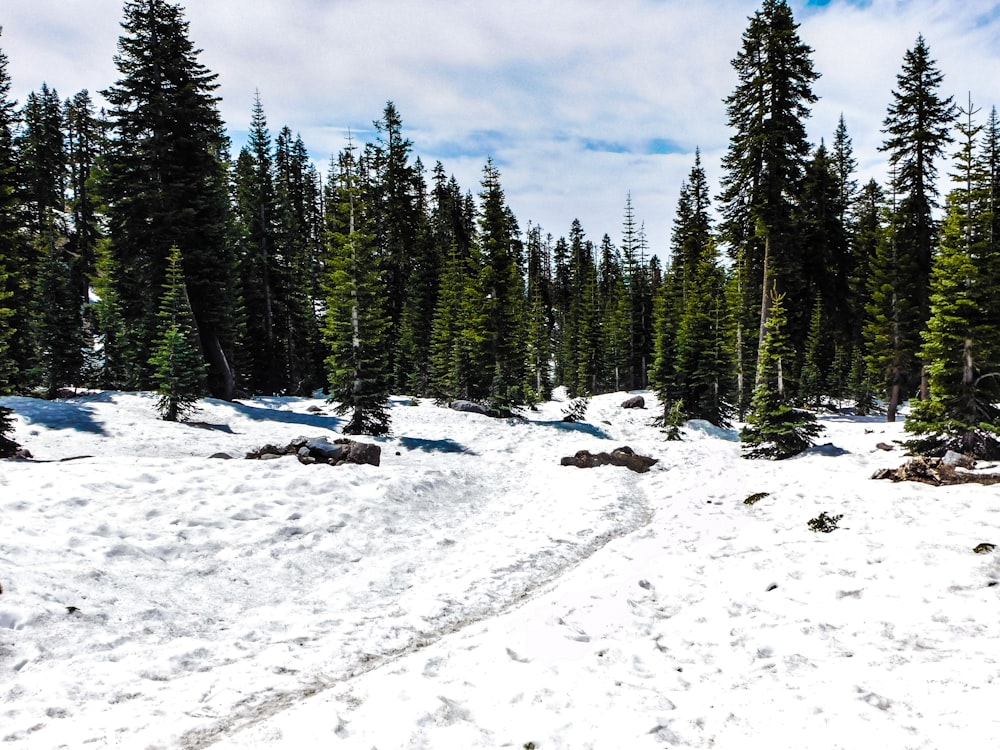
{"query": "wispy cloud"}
pixel 578 101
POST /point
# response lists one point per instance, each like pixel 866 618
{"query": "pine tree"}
pixel 166 184
pixel 395 202
pixel 539 331
pixel 256 220
pixel 11 241
pixel 357 325
pixel 60 324
pixel 85 145
pixel 765 164
pixel 178 369
pixel 774 429
pixel 961 343
pixel 868 234
pixel 917 131
pixel 413 344
pixel 7 445
pixel 500 282
pixel 296 200
pixel 614 317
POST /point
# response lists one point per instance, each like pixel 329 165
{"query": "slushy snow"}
pixel 472 593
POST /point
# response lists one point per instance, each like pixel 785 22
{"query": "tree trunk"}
pixel 890 415
pixel 765 304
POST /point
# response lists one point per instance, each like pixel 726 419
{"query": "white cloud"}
pixel 528 82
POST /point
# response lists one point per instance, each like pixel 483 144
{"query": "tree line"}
pixel 137 253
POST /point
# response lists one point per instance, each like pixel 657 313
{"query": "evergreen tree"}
pixel 357 324
pixel 256 219
pixel 614 316
pixel 774 429
pixel 765 165
pixel 868 234
pixel 917 132
pixel 500 281
pixel 825 264
pixel 60 325
pixel 11 242
pixel 395 202
pixel 297 197
pixel 85 144
pixel 413 345
pixel 166 185
pixel 539 331
pixel 178 369
pixel 961 343
pixel 7 445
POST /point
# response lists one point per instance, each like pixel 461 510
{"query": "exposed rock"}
pixel 623 456
pixel 885 446
pixel 635 402
pixel 984 547
pixel 461 405
pixel 224 456
pixel 363 453
pixel 958 460
pixel 322 450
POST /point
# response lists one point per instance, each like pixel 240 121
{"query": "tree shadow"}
pixel 584 427
pixel 435 446
pixel 265 414
pixel 55 415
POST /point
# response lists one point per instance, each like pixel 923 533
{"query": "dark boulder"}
pixel 635 402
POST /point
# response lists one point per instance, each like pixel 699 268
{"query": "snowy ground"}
pixel 472 593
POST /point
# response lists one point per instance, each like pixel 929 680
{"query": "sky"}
pixel 579 103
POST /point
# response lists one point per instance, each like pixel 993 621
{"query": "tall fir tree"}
pixel 166 185
pixel 868 234
pixel 764 168
pixel 961 344
pixel 257 228
pixel 500 282
pixel 357 325
pixel 178 369
pixel 917 130
pixel 11 238
pixel 85 145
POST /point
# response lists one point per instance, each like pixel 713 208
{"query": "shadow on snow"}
pixel 55 415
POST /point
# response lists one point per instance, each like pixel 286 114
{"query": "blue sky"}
pixel 579 102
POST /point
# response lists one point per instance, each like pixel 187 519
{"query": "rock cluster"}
pixel 623 456
pixel 322 450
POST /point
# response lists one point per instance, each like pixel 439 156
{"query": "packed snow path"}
pixel 156 588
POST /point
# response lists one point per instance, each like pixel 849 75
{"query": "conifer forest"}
pixel 138 252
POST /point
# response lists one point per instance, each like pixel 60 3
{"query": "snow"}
pixel 472 593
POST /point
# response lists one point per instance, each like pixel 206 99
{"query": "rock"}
pixel 224 456
pixel 322 449
pixel 623 456
pixel 269 456
pixel 627 457
pixel 884 446
pixel 364 453
pixel 984 547
pixel 635 402
pixel 314 409
pixel 958 460
pixel 469 406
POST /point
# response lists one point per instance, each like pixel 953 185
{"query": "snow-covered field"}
pixel 472 593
